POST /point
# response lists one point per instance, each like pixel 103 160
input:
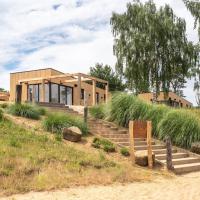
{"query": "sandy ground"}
pixel 180 188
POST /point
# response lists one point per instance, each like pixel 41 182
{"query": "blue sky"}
pixel 69 35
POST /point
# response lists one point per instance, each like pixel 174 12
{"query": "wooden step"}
pixel 174 156
pixel 118 140
pixel 111 135
pixel 122 131
pixel 162 151
pixel 180 161
pixel 185 168
pixel 114 128
pixel 126 142
pixel 145 147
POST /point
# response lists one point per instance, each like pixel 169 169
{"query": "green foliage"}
pixel 182 126
pixel 55 122
pixel 107 73
pixel 14 142
pixel 151 47
pixel 124 151
pixel 41 110
pixel 106 145
pixel 4 105
pixel 1 114
pixel 97 111
pixel 195 147
pixel 194 8
pixel 155 114
pixel 24 110
pixel 3 90
pixel 125 107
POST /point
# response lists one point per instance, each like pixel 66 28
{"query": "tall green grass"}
pixel 1 114
pixel 24 110
pixel 55 122
pixel 182 125
pixel 97 111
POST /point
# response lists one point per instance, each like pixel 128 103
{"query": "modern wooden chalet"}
pixel 52 86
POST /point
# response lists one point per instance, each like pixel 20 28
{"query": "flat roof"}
pixel 37 70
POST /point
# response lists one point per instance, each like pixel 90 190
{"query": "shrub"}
pixel 1 114
pixel 96 143
pixel 97 111
pixel 24 110
pixel 109 147
pixel 124 151
pixel 55 122
pixel 106 145
pixel 196 147
pixel 4 105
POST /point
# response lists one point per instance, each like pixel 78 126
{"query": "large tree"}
pixel 151 47
pixel 105 72
pixel 194 7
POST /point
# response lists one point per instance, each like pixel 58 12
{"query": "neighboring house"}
pixel 4 96
pixel 52 86
pixel 170 99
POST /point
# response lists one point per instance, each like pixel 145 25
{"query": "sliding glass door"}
pixel 66 95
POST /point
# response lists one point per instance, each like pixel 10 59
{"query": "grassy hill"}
pixel 37 160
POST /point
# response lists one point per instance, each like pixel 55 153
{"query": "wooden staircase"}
pixel 183 162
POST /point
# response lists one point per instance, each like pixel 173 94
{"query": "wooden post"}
pixel 85 114
pixel 149 147
pixel 79 89
pixel 107 89
pixel 33 94
pixel 43 91
pixel 94 92
pixel 131 135
pixel 169 154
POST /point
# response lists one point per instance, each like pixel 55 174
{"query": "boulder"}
pixel 72 134
pixel 141 158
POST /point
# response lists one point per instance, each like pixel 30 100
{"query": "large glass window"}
pixel 63 93
pixel 54 93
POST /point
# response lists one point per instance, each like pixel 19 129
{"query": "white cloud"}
pixel 71 37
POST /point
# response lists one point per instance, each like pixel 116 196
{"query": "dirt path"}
pixel 181 188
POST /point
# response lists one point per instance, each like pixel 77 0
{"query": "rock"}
pixel 72 134
pixel 141 158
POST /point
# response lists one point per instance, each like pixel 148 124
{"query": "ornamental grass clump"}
pixel 1 114
pixel 182 126
pixel 55 122
pixel 155 113
pixel 24 110
pixel 97 111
